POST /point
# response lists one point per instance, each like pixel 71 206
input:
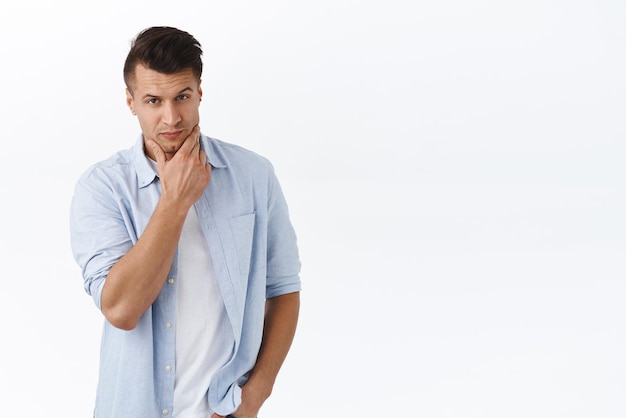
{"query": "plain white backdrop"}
pixel 454 169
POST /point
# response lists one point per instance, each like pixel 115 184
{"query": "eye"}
pixel 182 97
pixel 152 101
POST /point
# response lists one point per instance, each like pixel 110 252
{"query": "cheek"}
pixel 147 120
pixel 192 109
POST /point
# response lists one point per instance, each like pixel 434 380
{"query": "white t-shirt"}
pixel 204 338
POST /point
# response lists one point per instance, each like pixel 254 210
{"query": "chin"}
pixel 170 147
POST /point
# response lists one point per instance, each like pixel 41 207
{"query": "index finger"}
pixel 191 140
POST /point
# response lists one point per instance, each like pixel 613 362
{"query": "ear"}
pixel 200 89
pixel 130 102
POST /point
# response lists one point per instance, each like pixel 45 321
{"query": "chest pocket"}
pixel 242 228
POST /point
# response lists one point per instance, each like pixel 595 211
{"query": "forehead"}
pixel 148 81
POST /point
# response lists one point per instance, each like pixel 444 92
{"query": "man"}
pixel 186 247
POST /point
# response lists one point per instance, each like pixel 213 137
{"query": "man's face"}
pixel 166 106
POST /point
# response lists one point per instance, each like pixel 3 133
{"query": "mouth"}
pixel 171 135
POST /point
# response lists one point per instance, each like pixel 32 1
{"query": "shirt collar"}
pixel 212 156
pixel 146 173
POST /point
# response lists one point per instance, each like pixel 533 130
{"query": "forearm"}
pixel 135 281
pixel 281 318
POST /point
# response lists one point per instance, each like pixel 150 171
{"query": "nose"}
pixel 171 115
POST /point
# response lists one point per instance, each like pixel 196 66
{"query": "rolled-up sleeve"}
pixel 283 260
pixel 98 233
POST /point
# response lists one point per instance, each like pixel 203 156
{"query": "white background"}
pixel 454 169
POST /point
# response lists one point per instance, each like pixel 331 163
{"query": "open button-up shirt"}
pixel 245 219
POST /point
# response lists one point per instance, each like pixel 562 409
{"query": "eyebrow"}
pixel 148 95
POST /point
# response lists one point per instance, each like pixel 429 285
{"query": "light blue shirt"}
pixel 253 245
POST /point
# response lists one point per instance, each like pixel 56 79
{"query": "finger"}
pixel 191 140
pixel 202 157
pixel 196 147
pixel 159 155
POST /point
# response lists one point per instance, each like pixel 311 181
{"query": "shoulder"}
pixel 117 165
pixel 237 157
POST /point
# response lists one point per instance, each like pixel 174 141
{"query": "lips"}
pixel 171 134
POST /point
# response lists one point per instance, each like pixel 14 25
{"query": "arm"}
pixel 281 318
pixel 134 282
pixel 136 279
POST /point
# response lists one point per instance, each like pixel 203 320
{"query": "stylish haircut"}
pixel 163 49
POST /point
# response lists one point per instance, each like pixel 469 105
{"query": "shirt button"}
pixel 170 280
pixel 165 412
pixel 169 325
pixel 168 368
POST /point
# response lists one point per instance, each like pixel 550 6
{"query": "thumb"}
pixel 157 152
